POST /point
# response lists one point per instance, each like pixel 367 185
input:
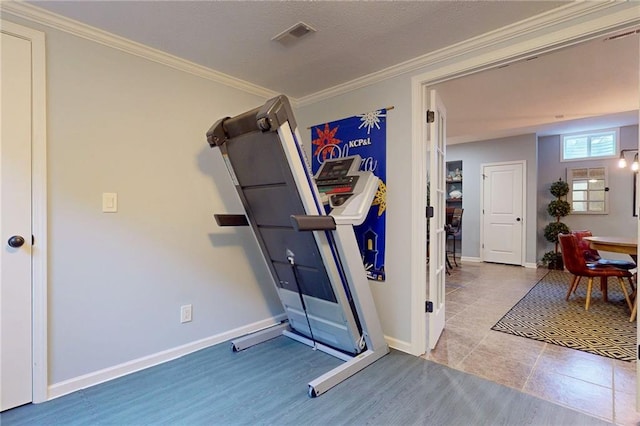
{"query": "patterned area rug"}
pixel 544 315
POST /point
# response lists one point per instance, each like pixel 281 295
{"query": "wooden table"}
pixel 624 245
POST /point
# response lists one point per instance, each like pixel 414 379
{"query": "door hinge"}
pixel 428 306
pixel 431 116
pixel 33 240
pixel 429 211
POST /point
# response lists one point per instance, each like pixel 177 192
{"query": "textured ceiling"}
pixel 560 92
pixel 353 38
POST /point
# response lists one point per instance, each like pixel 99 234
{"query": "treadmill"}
pixel 304 228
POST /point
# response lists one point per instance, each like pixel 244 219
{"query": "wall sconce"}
pixel 622 162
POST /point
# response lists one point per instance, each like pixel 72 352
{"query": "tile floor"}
pixel 478 295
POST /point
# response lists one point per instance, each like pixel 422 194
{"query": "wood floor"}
pixel 478 295
pixel 267 385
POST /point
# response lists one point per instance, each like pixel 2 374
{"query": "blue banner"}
pixel 365 135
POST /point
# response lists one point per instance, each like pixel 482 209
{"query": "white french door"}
pixel 436 140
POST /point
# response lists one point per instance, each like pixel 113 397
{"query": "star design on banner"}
pixel 326 137
pixel 371 120
pixel 380 198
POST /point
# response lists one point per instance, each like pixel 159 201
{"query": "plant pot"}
pixel 556 263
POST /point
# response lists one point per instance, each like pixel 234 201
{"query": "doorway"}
pixel 527 43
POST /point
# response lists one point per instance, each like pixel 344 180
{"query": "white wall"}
pixel 619 221
pixel 120 123
pixel 393 295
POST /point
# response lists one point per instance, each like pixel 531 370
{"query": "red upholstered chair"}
pixel 593 257
pixel 575 263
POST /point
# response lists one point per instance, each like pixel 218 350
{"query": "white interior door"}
pixel 436 139
pixel 15 223
pixel 503 195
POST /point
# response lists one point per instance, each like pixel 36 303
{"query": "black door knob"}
pixel 518 219
pixel 16 241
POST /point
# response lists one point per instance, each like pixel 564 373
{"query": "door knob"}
pixel 16 241
pixel 518 219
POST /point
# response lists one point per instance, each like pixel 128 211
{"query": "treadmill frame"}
pixel 336 244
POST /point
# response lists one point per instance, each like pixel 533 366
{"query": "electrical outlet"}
pixel 185 313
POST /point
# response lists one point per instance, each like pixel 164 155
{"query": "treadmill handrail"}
pixel 313 222
pixel 231 220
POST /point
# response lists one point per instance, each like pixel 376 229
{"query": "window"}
pixel 598 144
pixel 588 190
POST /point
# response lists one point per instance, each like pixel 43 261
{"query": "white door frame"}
pixel 38 206
pixel 572 24
pixel 525 219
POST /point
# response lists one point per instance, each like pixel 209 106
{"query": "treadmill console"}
pixel 348 191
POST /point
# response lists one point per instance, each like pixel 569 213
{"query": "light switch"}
pixel 109 202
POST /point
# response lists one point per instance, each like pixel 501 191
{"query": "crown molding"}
pixel 569 24
pixel 563 26
pixel 41 16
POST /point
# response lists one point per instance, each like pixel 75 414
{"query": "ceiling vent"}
pixel 293 34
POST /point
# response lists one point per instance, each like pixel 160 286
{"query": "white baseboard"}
pixel 400 345
pixel 478 260
pixel 91 379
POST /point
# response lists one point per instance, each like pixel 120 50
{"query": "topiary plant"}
pixel 558 208
pixel 559 188
pixel 552 230
pixel 549 258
